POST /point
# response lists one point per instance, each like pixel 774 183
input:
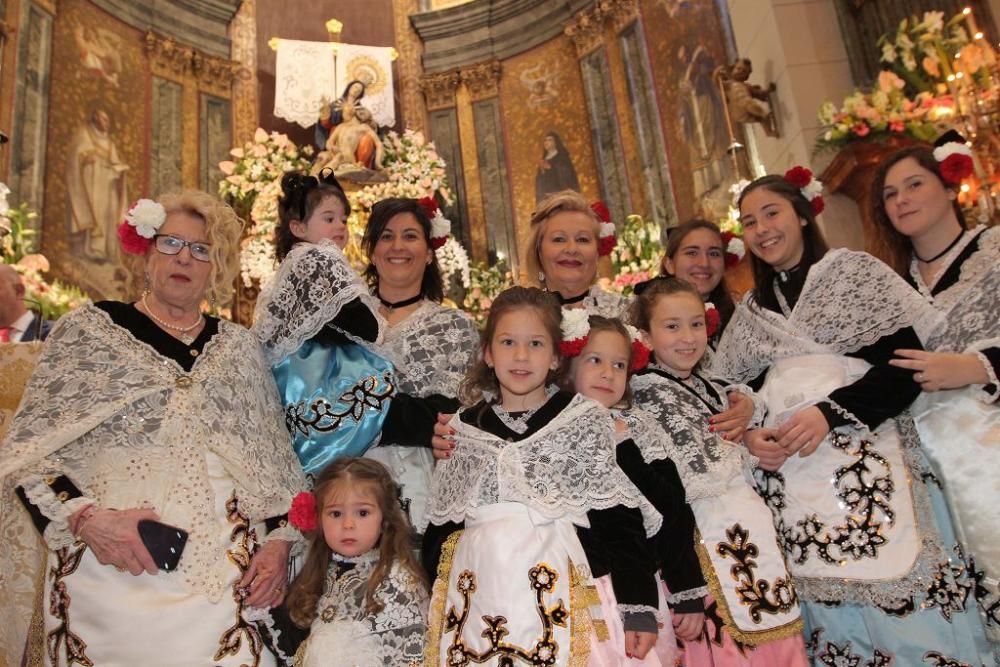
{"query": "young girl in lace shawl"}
pixel 604 353
pixel 361 591
pixel 532 482
pixel 752 612
pixel 316 321
pixel 864 526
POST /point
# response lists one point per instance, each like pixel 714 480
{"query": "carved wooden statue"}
pixel 747 102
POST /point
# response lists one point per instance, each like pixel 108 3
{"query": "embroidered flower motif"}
pixel 808 185
pixel 440 225
pixel 140 225
pixel 302 514
pixel 954 162
pixel 607 236
pixel 712 319
pixel 575 328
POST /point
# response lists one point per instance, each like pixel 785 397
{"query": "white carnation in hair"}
pixel 736 247
pixel 607 229
pixel 147 216
pixel 440 226
pixel 575 323
pixel 813 189
pixel 951 148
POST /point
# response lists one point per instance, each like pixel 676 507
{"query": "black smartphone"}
pixel 164 543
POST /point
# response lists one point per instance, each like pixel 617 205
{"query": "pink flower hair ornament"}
pixel 143 219
pixel 302 513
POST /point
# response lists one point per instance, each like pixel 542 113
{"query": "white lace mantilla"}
pixel 393 636
pixel 312 285
pixel 849 300
pixel 706 463
pixel 431 350
pixel 606 304
pixel 563 470
pixel 971 307
pixel 131 428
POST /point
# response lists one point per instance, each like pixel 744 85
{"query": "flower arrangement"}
pixel 485 283
pixel 636 257
pixel 52 299
pixel 454 263
pixel 414 169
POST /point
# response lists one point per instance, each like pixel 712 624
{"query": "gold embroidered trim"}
pixel 244 541
pixel 439 597
pixel 751 638
pixel 580 624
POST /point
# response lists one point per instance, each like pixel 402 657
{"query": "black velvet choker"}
pixel 400 304
pixel 563 301
pixel 943 252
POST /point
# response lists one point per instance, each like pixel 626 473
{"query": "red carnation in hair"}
pixel 732 259
pixel 438 242
pixel 302 514
pixel 712 321
pixel 606 244
pixel 601 210
pixel 640 355
pixel 818 205
pixel 955 167
pixel 572 348
pixel 798 176
pixel 131 242
pixel 429 204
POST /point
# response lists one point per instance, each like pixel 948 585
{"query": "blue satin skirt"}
pixel 335 398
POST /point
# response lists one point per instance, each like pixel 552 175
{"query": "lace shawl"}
pixel 563 470
pixel 310 287
pixel 706 463
pixel 606 304
pixel 849 300
pixel 396 634
pixel 431 350
pixel 131 428
pixel 970 307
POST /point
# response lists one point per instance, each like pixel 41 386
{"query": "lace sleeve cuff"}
pixel 837 416
pixel 291 535
pixel 687 596
pixel 640 617
pixel 990 392
pixel 51 501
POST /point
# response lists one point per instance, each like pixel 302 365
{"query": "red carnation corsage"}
pixel 302 514
pixel 955 162
pixel 712 319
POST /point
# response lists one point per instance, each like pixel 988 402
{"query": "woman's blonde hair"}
pixel 394 544
pixel 557 202
pixel 223 230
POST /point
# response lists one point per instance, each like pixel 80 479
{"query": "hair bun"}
pixel 947 137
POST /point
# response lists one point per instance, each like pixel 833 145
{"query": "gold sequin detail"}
pixel 439 598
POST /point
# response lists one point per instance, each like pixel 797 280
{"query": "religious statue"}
pixel 746 102
pixel 353 150
pixel 97 189
pixel 333 114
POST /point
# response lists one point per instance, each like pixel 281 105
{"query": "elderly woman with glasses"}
pixel 150 453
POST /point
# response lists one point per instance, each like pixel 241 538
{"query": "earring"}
pixel 541 277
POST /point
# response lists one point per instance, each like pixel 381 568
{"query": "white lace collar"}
pixel 519 424
pixel 370 556
pixel 968 236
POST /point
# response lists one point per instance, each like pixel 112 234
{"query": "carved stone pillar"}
pixel 439 89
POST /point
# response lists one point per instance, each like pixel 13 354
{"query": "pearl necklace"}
pixel 184 337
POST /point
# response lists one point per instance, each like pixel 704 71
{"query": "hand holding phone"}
pixel 164 543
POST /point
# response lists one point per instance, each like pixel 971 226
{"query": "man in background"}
pixel 17 323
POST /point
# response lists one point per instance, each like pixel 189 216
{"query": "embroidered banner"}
pixel 372 66
pixel 305 80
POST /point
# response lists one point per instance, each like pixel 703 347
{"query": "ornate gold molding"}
pixel 482 80
pixel 244 51
pixel 409 66
pixel 587 29
pixel 439 89
pixel 172 60
pixel 622 13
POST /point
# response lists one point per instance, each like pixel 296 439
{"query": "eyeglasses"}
pixel 171 245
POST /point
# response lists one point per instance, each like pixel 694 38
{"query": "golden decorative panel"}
pixel 408 66
pixel 439 89
pixel 481 79
pixel 244 52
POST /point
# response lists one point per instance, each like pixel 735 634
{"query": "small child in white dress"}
pixel 361 591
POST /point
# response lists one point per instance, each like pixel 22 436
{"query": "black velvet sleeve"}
pixel 881 393
pixel 992 355
pixel 356 319
pixel 62 488
pixel 410 420
pixel 616 544
pixel 434 539
pixel 673 545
